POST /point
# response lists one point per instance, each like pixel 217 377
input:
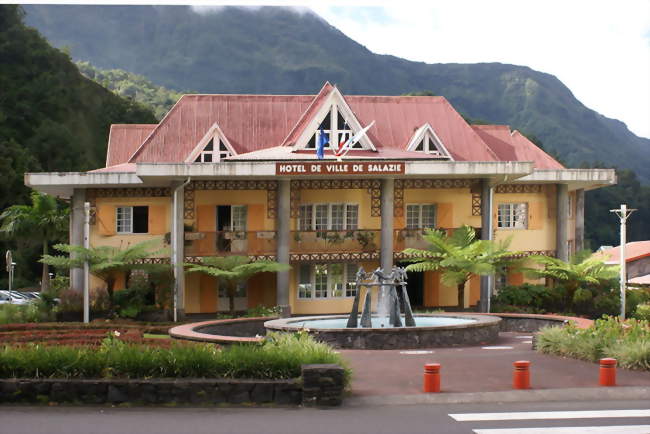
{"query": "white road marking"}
pixel 526 342
pixel 527 415
pixel 621 429
pixel 496 348
pixel 523 337
pixel 416 352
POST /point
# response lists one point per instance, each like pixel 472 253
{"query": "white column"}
pixel 562 222
pixel 178 248
pixel 387 207
pixel 486 234
pixel 77 234
pixel 580 220
pixel 283 225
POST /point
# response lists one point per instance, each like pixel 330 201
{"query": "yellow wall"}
pixel 255 200
pixel 454 206
pixel 102 233
pixel 541 220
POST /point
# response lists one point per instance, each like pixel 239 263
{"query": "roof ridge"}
pixel 326 87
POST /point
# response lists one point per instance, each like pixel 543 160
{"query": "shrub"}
pixel 527 297
pixel 99 300
pixel 70 301
pixel 26 313
pixel 260 310
pixel 279 356
pixel 628 341
pixel 642 312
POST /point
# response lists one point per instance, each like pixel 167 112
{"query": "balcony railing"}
pixel 223 243
pixel 357 240
pixel 414 238
pixel 252 243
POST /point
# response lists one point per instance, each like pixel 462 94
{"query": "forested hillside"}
pixel 276 50
pixel 133 86
pixel 51 117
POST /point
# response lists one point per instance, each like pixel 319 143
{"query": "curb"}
pixel 573 394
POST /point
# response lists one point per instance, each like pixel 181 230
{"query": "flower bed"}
pixel 75 337
pixel 279 357
pixel 628 342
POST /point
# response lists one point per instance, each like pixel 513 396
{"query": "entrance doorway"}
pixel 414 286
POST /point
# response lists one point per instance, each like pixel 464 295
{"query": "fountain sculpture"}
pixel 389 305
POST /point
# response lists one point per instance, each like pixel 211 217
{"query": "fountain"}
pixel 393 325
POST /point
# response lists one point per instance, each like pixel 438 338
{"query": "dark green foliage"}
pixel 602 226
pixel 526 298
pixel 133 86
pixel 628 342
pixel 280 356
pixel 276 50
pixel 51 117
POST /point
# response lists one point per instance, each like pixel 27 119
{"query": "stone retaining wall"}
pixel 322 386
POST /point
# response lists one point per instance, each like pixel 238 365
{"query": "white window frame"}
pixel 123 219
pixel 347 224
pixel 514 220
pixel 128 219
pixel 420 223
pixel 307 290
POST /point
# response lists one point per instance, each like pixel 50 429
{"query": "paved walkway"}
pixel 474 369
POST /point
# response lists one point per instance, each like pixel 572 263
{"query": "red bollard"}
pixel 607 372
pixel 432 377
pixel 521 375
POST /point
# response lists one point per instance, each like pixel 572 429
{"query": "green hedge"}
pixel 628 342
pixel 280 356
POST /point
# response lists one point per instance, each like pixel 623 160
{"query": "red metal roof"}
pixel 124 139
pixel 256 125
pixel 514 146
pixel 124 167
pixel 633 251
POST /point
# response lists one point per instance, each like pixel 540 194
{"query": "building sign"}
pixel 340 168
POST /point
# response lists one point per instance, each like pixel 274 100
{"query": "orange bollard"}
pixel 607 372
pixel 521 375
pixel 432 377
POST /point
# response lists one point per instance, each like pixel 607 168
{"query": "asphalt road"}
pixel 549 418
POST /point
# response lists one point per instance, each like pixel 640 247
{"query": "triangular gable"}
pixel 213 143
pixel 427 141
pixel 330 110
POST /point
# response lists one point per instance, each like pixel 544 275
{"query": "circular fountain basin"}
pixel 432 330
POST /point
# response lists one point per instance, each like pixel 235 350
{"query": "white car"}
pixel 13 297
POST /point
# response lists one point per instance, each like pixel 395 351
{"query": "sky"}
pixel 600 49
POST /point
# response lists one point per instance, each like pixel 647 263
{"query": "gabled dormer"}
pixel 212 148
pixel 426 140
pixel 337 120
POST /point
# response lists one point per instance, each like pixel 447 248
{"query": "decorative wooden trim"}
pixel 197 259
pixel 334 257
pixel 434 183
pixel 271 188
pixel 398 200
pixel 476 204
pixel 519 188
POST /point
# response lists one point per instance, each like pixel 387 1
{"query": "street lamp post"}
pixel 623 213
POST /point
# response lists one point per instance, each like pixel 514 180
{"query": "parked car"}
pixel 13 297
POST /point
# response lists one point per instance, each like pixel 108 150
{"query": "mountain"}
pixel 51 117
pixel 133 86
pixel 279 50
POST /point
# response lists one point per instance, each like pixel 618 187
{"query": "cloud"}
pixel 599 49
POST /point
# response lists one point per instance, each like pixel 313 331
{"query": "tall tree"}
pixel 43 222
pixel 108 262
pixel 460 255
pixel 232 271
